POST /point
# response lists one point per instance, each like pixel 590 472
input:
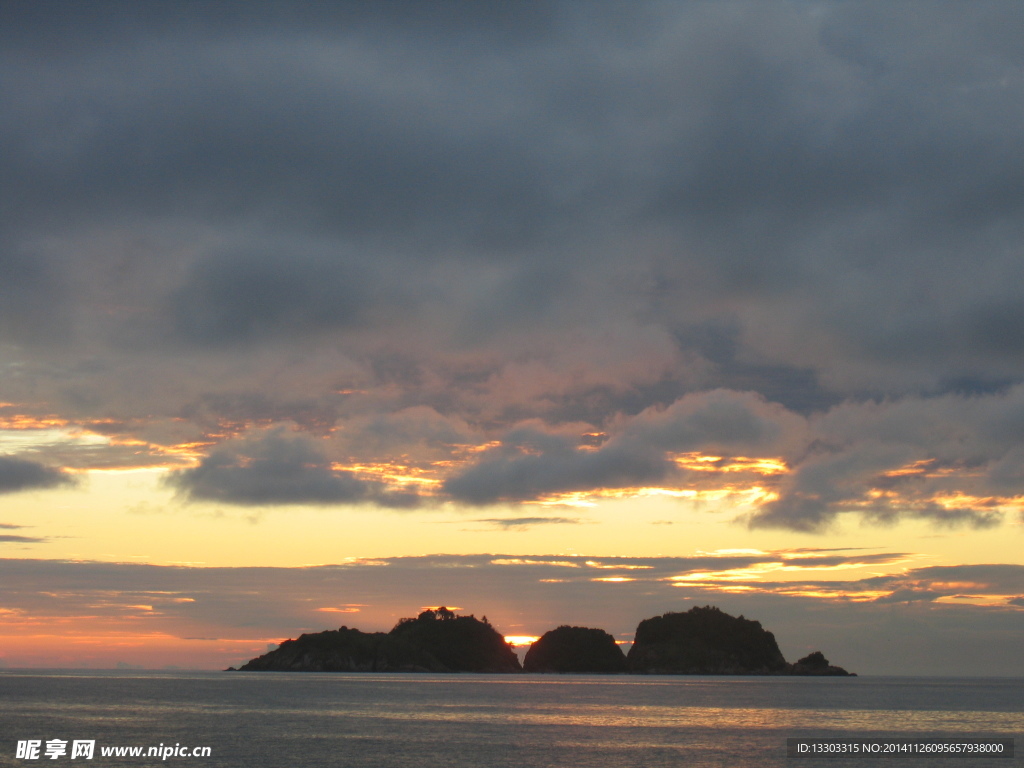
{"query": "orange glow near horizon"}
pixel 100 647
pixel 521 639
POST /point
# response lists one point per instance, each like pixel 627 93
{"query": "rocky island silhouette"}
pixel 708 641
pixel 701 641
pixel 435 641
pixel 575 649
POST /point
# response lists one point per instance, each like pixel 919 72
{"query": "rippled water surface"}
pixel 393 721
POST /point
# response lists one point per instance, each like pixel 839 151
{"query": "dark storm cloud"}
pixel 111 20
pixel 237 298
pixel 530 464
pixel 30 296
pixel 237 410
pixel 575 212
pixel 343 128
pixel 777 148
pixel 770 142
pixel 893 459
pixel 276 469
pixel 859 185
pixel 718 341
pixel 951 460
pixel 559 466
pixel 990 578
pixel 24 475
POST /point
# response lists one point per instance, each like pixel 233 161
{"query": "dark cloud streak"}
pixel 276 469
pixel 24 475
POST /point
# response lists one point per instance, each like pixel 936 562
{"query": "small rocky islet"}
pixel 701 641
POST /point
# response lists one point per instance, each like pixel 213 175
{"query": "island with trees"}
pixel 434 641
pixel 701 641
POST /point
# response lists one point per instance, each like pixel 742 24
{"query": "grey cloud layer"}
pixel 579 213
pixel 797 156
pixel 530 464
pixel 845 460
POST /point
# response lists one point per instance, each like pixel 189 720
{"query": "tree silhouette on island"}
pixel 701 641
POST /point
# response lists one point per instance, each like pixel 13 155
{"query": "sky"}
pixel 560 313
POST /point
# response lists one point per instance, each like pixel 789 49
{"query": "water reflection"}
pixel 390 721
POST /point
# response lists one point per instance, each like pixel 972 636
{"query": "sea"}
pixel 307 720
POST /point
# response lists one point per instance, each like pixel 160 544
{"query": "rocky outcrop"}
pixel 816 664
pixel 575 649
pixel 345 650
pixel 704 641
pixel 459 643
pixel 435 641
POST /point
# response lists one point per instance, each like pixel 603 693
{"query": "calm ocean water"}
pixel 526 721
